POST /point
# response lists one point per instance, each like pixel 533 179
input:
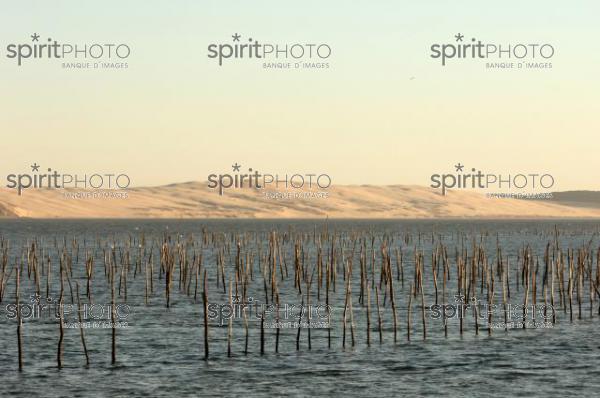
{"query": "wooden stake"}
pixel 19 320
pixel 85 351
pixel 205 301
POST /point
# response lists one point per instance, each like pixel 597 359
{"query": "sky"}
pixel 383 112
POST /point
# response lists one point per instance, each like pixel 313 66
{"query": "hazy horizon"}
pixel 383 113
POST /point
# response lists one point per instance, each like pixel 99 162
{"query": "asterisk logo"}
pixel 236 37
pixel 35 37
pixel 459 298
pixel 459 37
pixel 236 167
pixel 459 167
pixel 35 167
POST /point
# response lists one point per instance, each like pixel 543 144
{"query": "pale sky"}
pixel 383 113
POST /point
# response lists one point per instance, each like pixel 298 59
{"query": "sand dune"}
pixel 195 200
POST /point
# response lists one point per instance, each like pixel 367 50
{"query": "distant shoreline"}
pixel 194 200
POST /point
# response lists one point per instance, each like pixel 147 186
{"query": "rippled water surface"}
pixel 161 352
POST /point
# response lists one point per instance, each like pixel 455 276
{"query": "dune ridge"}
pixel 196 200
